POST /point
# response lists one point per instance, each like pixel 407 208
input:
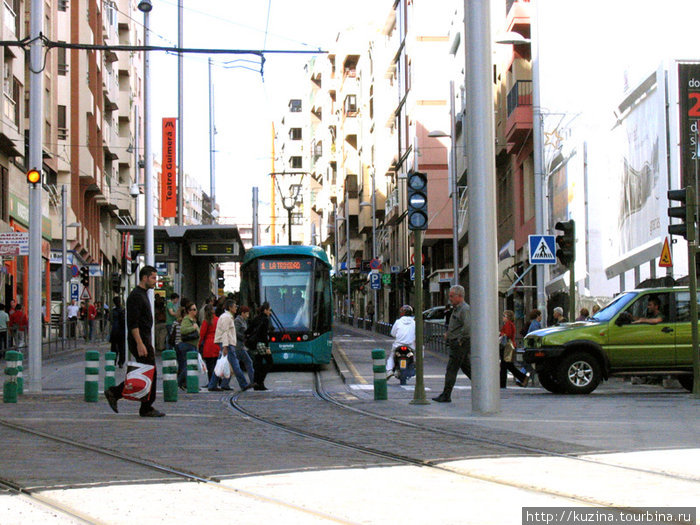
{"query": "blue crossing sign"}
pixel 375 281
pixel 542 249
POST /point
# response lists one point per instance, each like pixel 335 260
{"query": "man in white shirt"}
pixel 4 319
pixel 225 337
pixel 72 311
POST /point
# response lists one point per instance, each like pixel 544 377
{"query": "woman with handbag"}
pixel 208 348
pixel 189 333
pixel 258 342
pixel 506 350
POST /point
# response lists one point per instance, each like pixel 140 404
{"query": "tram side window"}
pixel 249 289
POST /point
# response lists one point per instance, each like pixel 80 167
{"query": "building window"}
pixel 62 124
pixel 4 194
pixel 63 5
pixel 295 105
pixel 62 60
pixel 295 162
pixel 350 105
pixel 295 133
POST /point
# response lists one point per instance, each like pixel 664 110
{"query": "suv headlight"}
pixel 533 342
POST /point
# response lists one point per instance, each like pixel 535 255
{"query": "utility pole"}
pixel 454 187
pixel 256 234
pixel 347 257
pixel 212 133
pixel 36 119
pixel 483 286
pixel 374 245
pixel 148 171
pixel 180 142
pixel 64 261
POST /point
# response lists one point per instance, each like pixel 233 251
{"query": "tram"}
pixel 296 281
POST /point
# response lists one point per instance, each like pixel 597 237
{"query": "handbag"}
pixel 508 351
pixel 190 337
pixel 139 378
pixel 222 368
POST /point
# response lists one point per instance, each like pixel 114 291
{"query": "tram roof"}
pixel 293 250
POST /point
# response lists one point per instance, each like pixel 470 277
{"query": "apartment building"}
pixel 91 101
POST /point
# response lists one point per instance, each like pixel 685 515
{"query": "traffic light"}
pixel 116 283
pixel 85 276
pixel 566 243
pixel 34 177
pixel 220 279
pixel 417 201
pixel 683 212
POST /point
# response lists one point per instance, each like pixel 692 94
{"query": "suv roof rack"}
pixel 659 282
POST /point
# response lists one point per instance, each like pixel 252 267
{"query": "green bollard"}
pixel 20 375
pixel 92 375
pixel 9 391
pixel 169 376
pixel 110 358
pixel 379 369
pixel 192 372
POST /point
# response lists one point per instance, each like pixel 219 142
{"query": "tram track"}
pixel 169 471
pixel 49 504
pixel 321 393
pixel 442 466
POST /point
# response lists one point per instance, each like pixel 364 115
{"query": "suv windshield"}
pixel 613 308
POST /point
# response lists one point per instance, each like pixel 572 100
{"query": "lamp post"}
pixel 145 7
pixel 347 247
pixel 64 257
pixel 373 204
pixel 453 183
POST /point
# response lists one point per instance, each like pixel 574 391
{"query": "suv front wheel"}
pixel 578 373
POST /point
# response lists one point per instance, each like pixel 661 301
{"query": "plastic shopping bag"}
pixel 222 368
pixel 139 378
pixel 202 364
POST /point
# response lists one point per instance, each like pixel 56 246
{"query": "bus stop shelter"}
pixel 199 247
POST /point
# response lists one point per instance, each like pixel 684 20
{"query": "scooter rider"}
pixel 404 334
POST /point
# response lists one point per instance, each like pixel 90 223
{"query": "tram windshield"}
pixel 287 284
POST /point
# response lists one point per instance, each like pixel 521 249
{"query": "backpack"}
pixel 250 339
pixel 172 336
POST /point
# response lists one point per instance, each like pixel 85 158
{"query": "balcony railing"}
pixel 519 95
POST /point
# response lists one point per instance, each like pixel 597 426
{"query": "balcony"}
pixel 519 111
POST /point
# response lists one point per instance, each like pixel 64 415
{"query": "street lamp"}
pixel 453 183
pixel 373 204
pixel 64 256
pixel 347 247
pixel 145 6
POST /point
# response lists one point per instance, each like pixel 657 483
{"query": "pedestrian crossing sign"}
pixel 542 249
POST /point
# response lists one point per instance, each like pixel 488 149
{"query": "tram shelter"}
pixel 203 246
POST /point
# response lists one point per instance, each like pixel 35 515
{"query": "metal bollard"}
pixel 92 375
pixel 192 372
pixel 379 369
pixel 20 375
pixel 110 358
pixel 9 391
pixel 169 376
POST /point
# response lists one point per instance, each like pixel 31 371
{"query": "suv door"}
pixel 684 354
pixel 642 345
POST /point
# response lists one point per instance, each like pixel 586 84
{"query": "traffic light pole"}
pixel 419 391
pixel 36 97
pixel 693 285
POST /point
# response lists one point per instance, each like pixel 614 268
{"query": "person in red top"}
pixel 508 333
pixel 209 349
pixel 91 316
pixel 18 325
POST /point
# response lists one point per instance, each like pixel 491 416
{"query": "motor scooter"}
pixel 404 363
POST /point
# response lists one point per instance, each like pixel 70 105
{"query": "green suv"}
pixel 642 332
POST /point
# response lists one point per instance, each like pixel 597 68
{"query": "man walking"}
pixel 72 311
pixel 458 342
pixel 4 320
pixel 225 337
pixel 139 323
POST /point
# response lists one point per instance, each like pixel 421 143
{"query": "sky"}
pixel 245 103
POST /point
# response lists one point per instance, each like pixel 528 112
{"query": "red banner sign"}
pixel 168 193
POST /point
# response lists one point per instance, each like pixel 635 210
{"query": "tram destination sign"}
pixel 286 265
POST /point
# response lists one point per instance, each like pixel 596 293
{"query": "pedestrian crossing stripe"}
pixel 665 260
pixel 542 251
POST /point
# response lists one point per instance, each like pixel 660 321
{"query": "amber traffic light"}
pixel 33 176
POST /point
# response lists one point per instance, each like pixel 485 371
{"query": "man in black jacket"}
pixel 139 322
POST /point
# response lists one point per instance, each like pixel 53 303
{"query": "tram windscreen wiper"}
pixel 277 320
